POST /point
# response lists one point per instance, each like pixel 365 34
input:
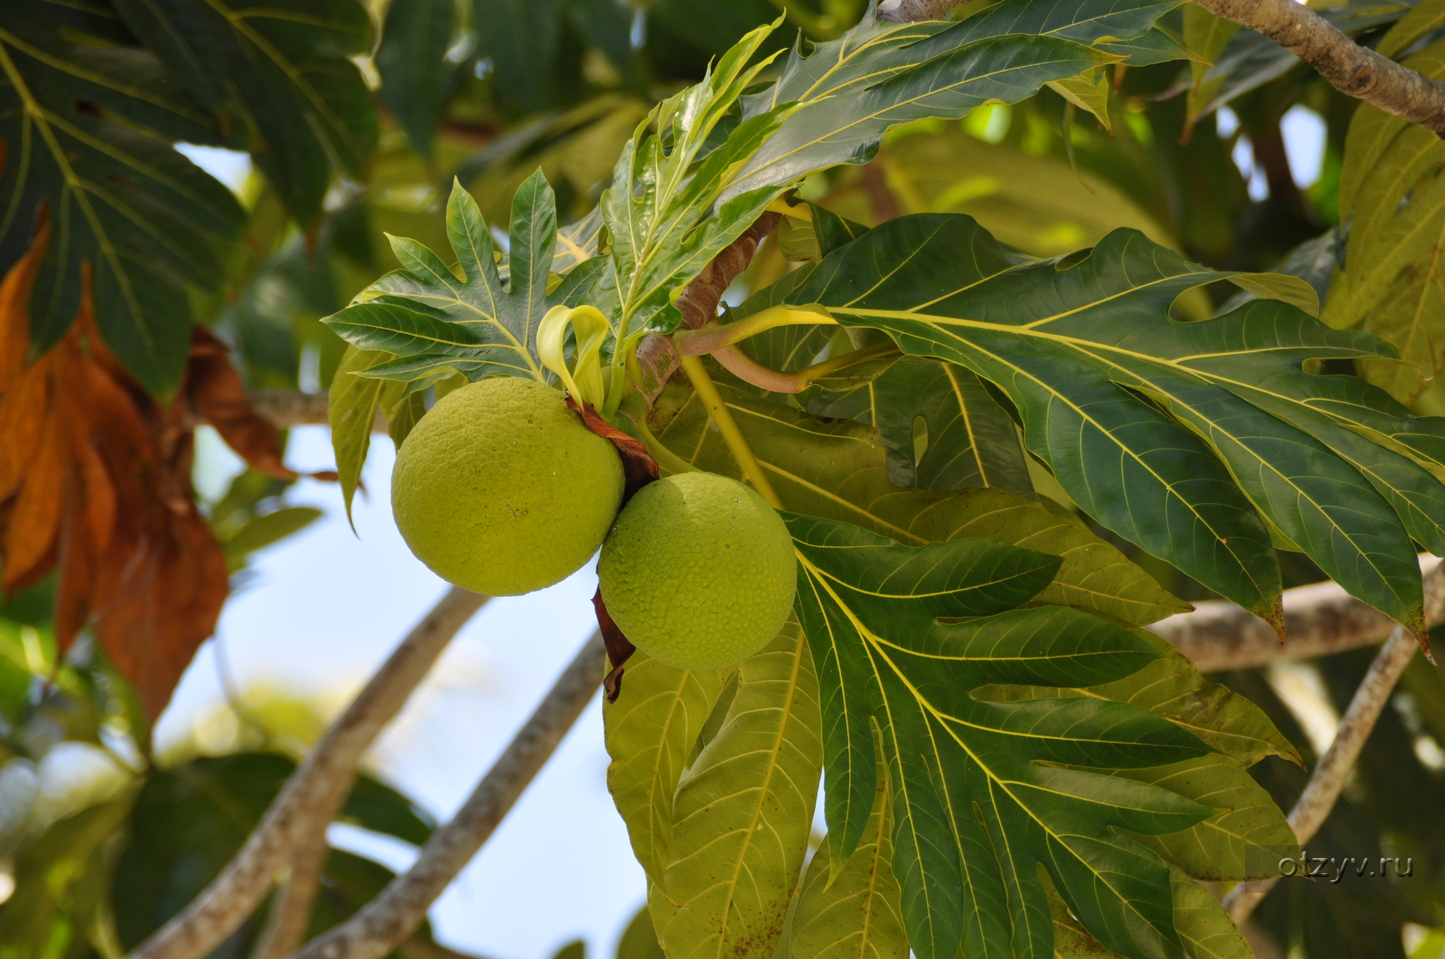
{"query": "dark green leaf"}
pixel 710 26
pixel 189 821
pixel 88 126
pixel 1171 434
pixel 281 68
pixel 836 470
pixel 415 76
pixel 985 791
pixel 941 428
pixel 852 89
pixel 607 25
pixel 520 38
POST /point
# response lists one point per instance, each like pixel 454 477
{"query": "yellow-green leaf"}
pixel 743 812
pixel 852 911
pixel 351 409
pixel 1247 837
pixel 650 732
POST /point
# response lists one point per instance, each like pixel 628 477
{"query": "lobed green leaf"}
pixel 1204 443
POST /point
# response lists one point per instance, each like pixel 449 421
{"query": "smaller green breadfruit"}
pixel 501 490
pixel 698 571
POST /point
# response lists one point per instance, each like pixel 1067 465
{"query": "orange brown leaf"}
pixel 95 485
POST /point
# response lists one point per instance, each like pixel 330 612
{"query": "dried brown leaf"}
pixel 218 396
pixel 95 483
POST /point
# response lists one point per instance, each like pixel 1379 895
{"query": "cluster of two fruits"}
pixel 502 490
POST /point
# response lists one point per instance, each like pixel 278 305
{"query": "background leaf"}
pixel 415 76
pixel 280 68
pixel 88 121
pixel 1393 273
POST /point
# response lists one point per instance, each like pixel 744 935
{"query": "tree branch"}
pixel 1353 70
pixel 1350 68
pixel 1319 619
pixel 1328 778
pixel 286 408
pixel 395 914
pixel 290 913
pixel 313 794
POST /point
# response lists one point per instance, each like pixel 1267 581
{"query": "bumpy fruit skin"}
pixel 698 571
pixel 501 490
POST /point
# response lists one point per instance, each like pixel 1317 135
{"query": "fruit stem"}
pixel 615 389
pixel 722 418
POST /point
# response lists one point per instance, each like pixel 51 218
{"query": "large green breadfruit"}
pixel 501 490
pixel 698 571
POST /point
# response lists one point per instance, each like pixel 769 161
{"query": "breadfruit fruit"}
pixel 698 571
pixel 501 490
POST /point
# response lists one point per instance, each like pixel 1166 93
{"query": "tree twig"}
pixel 396 913
pixel 657 360
pixel 1319 619
pixel 290 407
pixel 313 794
pixel 1328 777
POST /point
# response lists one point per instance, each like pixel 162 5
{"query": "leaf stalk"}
pixel 722 418
pixel 715 336
pixel 749 370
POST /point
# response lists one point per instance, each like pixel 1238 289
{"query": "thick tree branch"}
pixel 1350 68
pixel 396 913
pixel 1328 778
pixel 1319 619
pixel 1354 70
pixel 314 793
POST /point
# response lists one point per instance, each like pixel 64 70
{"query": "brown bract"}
pixel 639 469
pixel 95 486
